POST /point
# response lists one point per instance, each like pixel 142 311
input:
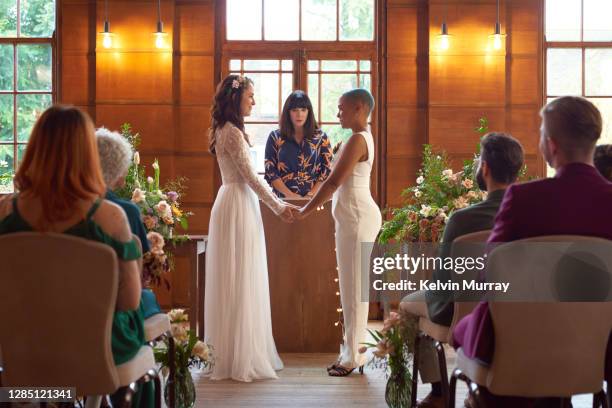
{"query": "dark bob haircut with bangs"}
pixel 297 99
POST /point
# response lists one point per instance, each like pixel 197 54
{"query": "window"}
pixel 300 20
pixel 26 76
pixel 579 53
pixel 273 83
pixel 324 47
pixel 327 81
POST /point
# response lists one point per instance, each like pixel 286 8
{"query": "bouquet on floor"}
pixel 393 351
pixel 159 205
pixel 188 352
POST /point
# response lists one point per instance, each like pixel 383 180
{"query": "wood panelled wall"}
pixel 428 96
pixel 164 93
pixel 436 96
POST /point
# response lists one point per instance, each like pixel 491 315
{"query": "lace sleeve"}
pixel 236 146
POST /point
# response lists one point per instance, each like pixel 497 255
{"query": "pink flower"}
pixel 235 84
pixel 460 202
pixel 172 196
pixel 467 183
pixel 157 242
pixel 149 221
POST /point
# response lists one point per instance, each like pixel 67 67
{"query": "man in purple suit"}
pixel 577 201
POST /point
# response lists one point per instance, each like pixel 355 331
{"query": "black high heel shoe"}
pixel 339 371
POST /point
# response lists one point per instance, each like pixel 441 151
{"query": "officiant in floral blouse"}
pixel 298 154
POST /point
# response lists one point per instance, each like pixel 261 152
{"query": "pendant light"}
pixel 159 34
pixel 497 36
pixel 444 36
pixel 107 35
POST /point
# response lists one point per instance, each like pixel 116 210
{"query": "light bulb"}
pixel 107 40
pixel 159 40
pixel 444 41
pixel 497 41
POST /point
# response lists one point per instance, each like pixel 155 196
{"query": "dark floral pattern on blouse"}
pixel 299 166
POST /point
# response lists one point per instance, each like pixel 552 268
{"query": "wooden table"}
pixel 302 269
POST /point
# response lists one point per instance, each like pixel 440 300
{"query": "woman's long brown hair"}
pixel 226 106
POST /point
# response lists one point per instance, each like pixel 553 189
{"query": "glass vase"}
pixel 184 390
pixel 398 390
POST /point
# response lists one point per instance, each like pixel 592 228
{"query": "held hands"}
pixel 292 213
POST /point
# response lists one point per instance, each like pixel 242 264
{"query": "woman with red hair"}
pixel 60 188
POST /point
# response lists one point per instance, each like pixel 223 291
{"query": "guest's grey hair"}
pixel 115 155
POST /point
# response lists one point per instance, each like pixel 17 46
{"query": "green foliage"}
pixel 357 20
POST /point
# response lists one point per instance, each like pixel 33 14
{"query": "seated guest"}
pixel 575 202
pixel 115 159
pixel 298 154
pixel 60 190
pixel 500 162
pixel 603 161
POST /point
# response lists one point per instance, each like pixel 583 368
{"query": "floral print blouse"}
pixel 299 166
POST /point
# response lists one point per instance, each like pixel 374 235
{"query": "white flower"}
pixel 179 332
pixel 150 180
pixel 155 165
pixel 448 173
pixel 138 195
pixel 441 212
pixel 418 193
pixel 467 183
pixel 425 210
pixel 420 180
pixel 177 315
pixel 201 350
pixel 137 158
pixel 3 163
pixel 163 208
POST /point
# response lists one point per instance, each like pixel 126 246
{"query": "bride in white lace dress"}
pixel 237 299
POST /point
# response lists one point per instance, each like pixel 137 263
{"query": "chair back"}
pixel 463 308
pixel 57 300
pixel 554 349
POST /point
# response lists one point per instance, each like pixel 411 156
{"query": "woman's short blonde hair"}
pixel 115 155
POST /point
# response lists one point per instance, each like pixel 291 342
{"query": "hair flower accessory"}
pixel 235 84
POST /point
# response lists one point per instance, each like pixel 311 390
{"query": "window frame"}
pixel 14 42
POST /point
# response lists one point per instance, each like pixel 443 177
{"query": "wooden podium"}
pixel 302 270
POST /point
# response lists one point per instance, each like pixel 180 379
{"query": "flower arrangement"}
pixel 438 192
pixel 189 352
pixel 393 350
pixel 155 263
pixel 159 206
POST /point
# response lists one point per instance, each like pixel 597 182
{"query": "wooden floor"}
pixel 305 383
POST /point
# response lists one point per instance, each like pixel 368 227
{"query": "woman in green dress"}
pixel 60 187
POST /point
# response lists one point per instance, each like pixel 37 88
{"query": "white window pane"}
pixel 261 65
pixel 605 107
pixel 235 65
pixel 332 65
pixel 336 134
pixel 598 71
pixel 243 19
pixel 319 20
pixel 313 65
pixel 266 97
pixel 356 20
pixel 287 86
pixel 364 65
pixel 258 134
pixel 563 20
pixel 332 88
pixel 287 65
pixel 597 24
pixel 281 20
pixel 313 93
pixel 564 71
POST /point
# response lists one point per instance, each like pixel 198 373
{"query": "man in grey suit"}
pixel 500 162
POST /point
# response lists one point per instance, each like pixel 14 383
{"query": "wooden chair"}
pixel 57 301
pixel 442 334
pixel 542 349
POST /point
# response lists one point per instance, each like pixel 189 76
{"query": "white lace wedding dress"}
pixel 237 298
